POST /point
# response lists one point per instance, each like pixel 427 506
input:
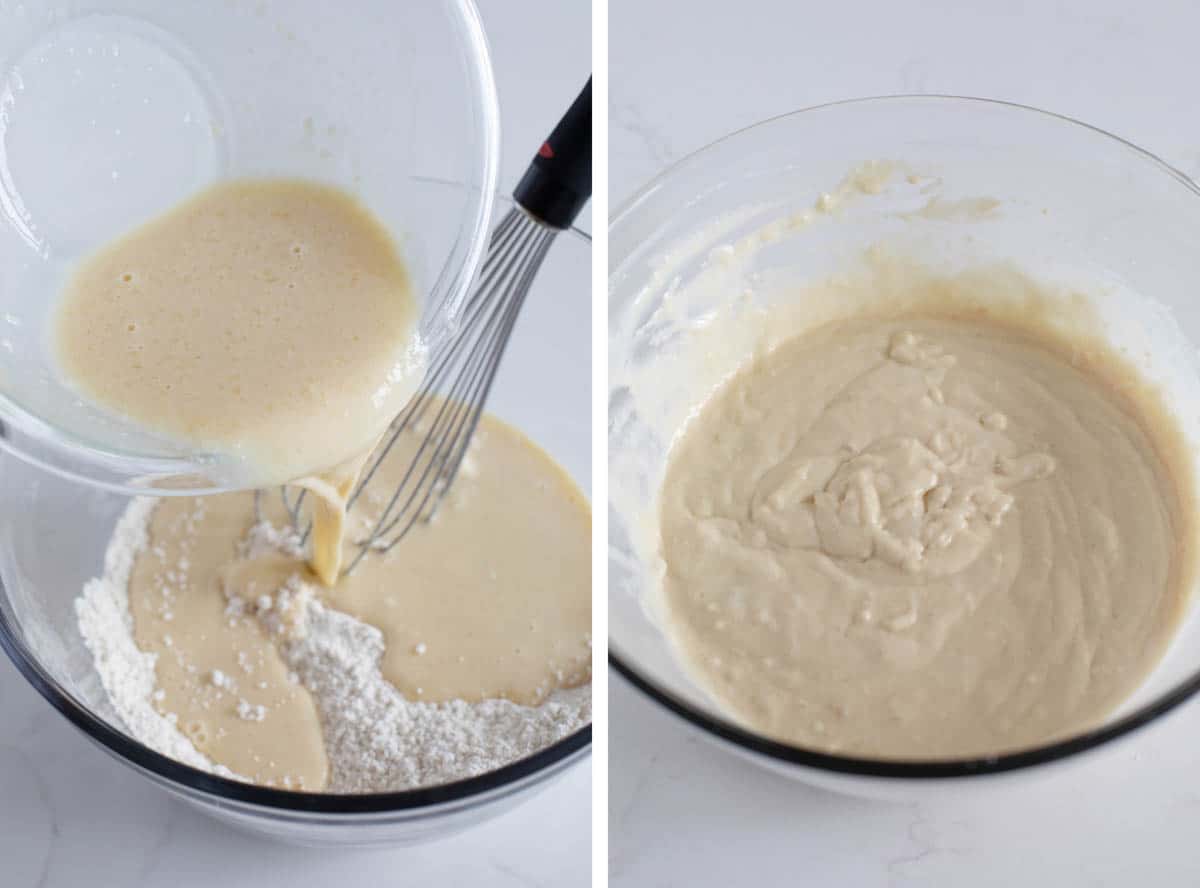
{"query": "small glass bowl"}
pixel 112 112
pixel 1077 205
pixel 53 534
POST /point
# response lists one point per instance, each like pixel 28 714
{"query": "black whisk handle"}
pixel 559 180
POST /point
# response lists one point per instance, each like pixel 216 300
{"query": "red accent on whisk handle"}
pixel 559 180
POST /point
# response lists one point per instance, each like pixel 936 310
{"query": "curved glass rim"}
pixel 453 279
pixel 531 770
pixel 919 769
pixel 640 194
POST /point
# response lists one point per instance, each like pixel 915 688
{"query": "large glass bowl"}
pixel 1078 206
pixel 113 111
pixel 53 534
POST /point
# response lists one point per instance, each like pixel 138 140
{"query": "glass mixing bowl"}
pixel 53 533
pixel 111 112
pixel 1077 206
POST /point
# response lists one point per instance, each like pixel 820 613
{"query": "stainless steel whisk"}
pixel 455 390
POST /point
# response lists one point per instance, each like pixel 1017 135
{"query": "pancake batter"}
pixel 489 601
pixel 926 537
pixel 269 322
pixel 272 324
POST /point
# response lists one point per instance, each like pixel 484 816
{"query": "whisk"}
pixel 447 407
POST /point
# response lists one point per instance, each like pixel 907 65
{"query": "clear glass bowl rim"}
pixel 454 279
pixel 521 774
pixel 899 769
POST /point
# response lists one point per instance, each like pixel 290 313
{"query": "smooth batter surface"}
pixel 269 322
pixel 490 600
pixel 926 538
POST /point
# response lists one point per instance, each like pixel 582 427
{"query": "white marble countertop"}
pixel 685 813
pixel 70 816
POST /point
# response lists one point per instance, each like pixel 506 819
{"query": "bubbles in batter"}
pixel 269 322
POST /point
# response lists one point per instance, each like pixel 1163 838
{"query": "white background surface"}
pixel 685 813
pixel 71 816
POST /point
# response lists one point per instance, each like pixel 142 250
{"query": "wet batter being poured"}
pixel 272 324
pixel 491 601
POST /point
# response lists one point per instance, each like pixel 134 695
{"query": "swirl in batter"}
pixel 926 537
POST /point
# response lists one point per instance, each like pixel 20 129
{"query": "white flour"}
pixel 107 628
pixel 375 739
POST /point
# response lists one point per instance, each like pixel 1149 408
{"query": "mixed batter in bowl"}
pixel 901 442
pixel 937 535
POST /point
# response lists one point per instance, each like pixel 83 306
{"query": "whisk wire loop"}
pixel 446 409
